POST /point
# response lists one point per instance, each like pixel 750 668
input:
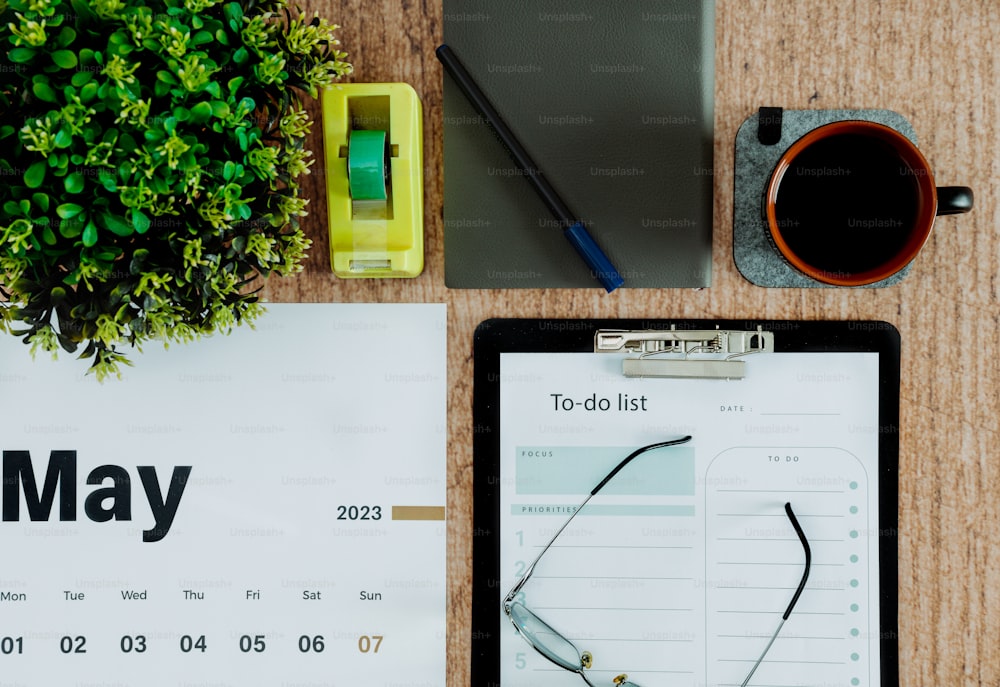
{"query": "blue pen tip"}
pixel 600 265
pixel 612 282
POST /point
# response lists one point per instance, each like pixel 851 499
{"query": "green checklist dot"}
pixel 854 558
pixel 855 632
pixel 854 485
pixel 854 534
pixel 854 608
pixel 854 509
pixel 854 583
pixel 855 657
pixel 855 681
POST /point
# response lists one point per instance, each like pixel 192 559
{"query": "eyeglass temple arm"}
pixel 527 573
pixel 795 597
pixel 635 453
pixel 805 571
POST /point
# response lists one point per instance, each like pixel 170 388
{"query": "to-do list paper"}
pixel 678 572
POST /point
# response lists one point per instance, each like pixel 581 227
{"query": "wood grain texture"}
pixel 935 62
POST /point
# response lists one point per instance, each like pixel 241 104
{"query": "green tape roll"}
pixel 367 165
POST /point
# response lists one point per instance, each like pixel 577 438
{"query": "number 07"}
pixel 372 644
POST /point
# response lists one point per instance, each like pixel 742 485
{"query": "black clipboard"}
pixel 497 336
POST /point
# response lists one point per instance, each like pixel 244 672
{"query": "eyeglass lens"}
pixel 553 645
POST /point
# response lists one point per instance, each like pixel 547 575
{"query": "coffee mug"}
pixel 852 203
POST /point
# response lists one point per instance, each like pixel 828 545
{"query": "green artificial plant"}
pixel 149 152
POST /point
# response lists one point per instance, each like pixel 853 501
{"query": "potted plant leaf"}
pixel 149 156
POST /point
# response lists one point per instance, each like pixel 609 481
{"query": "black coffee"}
pixel 847 204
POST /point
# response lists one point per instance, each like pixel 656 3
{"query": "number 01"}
pixel 12 645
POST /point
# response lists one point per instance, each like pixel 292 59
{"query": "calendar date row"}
pixel 185 644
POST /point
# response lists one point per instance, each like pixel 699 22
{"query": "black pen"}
pixel 573 228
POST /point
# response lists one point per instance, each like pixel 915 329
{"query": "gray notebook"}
pixel 614 102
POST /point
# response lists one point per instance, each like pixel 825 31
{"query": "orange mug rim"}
pixel 926 198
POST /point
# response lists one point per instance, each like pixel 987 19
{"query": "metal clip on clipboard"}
pixel 689 354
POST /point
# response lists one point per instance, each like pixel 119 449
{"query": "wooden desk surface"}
pixel 937 62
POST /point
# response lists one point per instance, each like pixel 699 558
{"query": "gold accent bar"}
pixel 418 512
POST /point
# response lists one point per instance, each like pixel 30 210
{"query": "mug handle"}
pixel 954 200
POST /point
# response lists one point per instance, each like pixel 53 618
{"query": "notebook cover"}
pixel 614 103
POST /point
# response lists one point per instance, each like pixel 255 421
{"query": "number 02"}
pixel 73 645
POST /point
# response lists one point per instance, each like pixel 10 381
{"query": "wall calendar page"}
pixel 265 509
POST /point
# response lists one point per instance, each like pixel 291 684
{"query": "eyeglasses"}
pixel 551 644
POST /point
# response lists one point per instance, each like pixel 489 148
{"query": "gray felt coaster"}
pixel 755 257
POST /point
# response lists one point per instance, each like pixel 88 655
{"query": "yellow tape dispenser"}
pixel 373 135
